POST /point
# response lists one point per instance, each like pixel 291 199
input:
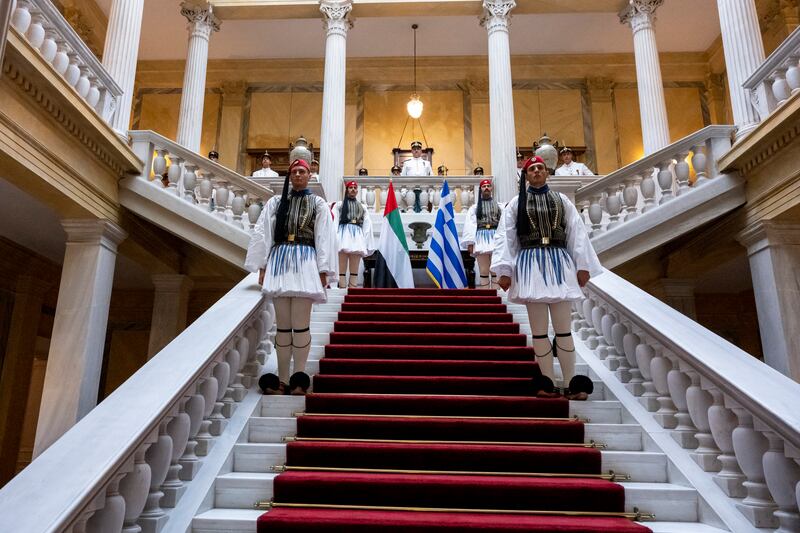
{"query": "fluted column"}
pixel 496 18
pixel 331 151
pixel 744 53
pixel 640 16
pixel 202 22
pixel 120 53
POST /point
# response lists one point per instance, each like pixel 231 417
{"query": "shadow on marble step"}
pixel 669 502
pixel 226 521
pixel 258 457
pixel 240 490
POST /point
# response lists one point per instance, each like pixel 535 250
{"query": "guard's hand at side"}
pixel 583 278
pixel 261 276
pixel 323 278
pixel 504 282
pixel 470 248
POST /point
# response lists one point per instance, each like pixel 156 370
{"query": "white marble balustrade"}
pixel 45 29
pixel 374 190
pixel 777 78
pixel 237 200
pixel 645 185
pixel 735 416
pixel 127 464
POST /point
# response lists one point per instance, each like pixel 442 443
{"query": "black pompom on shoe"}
pixel 544 388
pixel 270 384
pixel 580 387
pixel 299 383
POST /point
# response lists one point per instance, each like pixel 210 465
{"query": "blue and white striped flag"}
pixel 445 266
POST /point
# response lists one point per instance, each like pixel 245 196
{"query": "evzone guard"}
pixel 480 226
pixel 354 238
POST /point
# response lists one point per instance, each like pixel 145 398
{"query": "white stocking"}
pixel 353 260
pixel 301 342
pixel 539 320
pixel 484 261
pixel 283 338
pixel 561 313
pixel 342 270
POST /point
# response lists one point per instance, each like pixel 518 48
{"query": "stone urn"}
pixel 419 233
pixel 301 150
pixel 544 148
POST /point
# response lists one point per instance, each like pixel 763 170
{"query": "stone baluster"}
pixel 253 212
pixel 237 205
pixel 793 73
pixel 35 33
pixel 190 464
pixel 782 475
pixel 598 312
pixel 158 457
pixel 779 86
pixel 644 359
pixel 660 367
pixel 581 325
pixel 437 196
pixel 203 191
pixel 237 361
pixel 648 188
pixel 73 72
pixel 630 341
pixel 21 17
pixel 596 215
pixel 222 373
pixel 83 85
pixel 699 402
pixel 208 390
pixel 229 400
pixel 159 166
pixel 61 59
pixel 722 421
pixel 243 347
pixel 268 317
pixel 682 173
pixel 611 357
pixel 189 182
pixel 252 365
pixel 618 333
pixel 93 98
pixel 630 195
pixel 583 209
pixel 750 446
pixel 49 47
pixel 369 196
pixel 134 489
pixel 590 339
pixel 678 383
pixel 466 201
pixel 381 194
pixel 178 431
pixel 699 162
pixel 221 202
pixel 174 174
pixel 110 517
pixel 613 205
pixel 665 181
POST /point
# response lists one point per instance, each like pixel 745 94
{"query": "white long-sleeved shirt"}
pixel 574 169
pixel 416 166
pixel 265 173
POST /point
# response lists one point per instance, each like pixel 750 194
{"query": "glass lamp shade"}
pixel 414 107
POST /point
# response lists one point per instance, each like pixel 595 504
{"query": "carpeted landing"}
pixel 422 419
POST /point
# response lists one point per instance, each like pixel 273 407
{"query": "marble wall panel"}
pixel 279 118
pixel 628 123
pixel 605 138
pixel 159 112
pixel 683 110
pixel 481 141
pixel 556 112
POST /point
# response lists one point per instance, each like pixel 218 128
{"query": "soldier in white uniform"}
pixel 265 171
pixel 416 166
pixel 570 167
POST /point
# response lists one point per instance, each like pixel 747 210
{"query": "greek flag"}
pixel 445 266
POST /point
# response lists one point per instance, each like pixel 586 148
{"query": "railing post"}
pixel 678 383
pixel 134 489
pixel 699 402
pixel 782 476
pixel 722 421
pixel 158 457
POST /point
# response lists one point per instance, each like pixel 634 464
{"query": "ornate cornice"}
pixel 336 16
pixel 202 20
pixel 497 14
pixel 640 14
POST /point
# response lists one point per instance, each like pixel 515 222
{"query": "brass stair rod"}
pixel 371 415
pixel 610 476
pixel 635 515
pixel 590 444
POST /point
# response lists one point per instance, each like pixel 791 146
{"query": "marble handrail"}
pixel 777 78
pixel 200 181
pixel 653 180
pixel 46 30
pixel 736 416
pixel 128 463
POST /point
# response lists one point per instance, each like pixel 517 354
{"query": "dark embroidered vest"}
pixel 302 216
pixel 546 216
pixel 352 213
pixel 490 214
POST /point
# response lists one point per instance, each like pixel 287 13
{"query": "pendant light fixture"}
pixel 414 105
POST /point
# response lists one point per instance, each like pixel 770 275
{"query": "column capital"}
pixel 768 233
pixel 94 231
pixel 336 16
pixel 201 17
pixel 639 14
pixel 497 14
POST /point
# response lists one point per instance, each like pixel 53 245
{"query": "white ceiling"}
pixel 682 26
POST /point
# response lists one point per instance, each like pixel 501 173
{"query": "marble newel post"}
pixel 202 22
pixel 331 150
pixel 640 15
pixel 120 53
pixel 75 358
pixel 496 18
pixel 744 53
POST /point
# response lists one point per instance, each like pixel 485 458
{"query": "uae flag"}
pixel 392 264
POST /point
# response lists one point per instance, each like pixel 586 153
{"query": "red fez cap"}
pixel 485 182
pixel 299 163
pixel 532 161
pixel 351 184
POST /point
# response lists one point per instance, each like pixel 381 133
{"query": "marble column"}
pixel 79 329
pixel 496 18
pixel 774 251
pixel 640 16
pixel 744 53
pixel 335 14
pixel 202 22
pixel 170 304
pixel 17 367
pixel 601 102
pixel 120 53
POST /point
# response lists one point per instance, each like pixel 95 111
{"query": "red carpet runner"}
pixel 424 400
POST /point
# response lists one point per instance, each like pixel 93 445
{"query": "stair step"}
pixel 682 527
pixel 429 339
pixel 423 308
pixel 428 367
pixel 669 502
pixel 225 520
pixel 418 299
pixel 258 457
pixel 241 490
pixel 356 316
pixel 506 386
pixel 428 327
pixel 409 350
pixel 424 291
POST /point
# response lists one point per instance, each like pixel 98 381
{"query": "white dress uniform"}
pixel 481 238
pixel 293 269
pixel 354 237
pixel 574 169
pixel 416 166
pixel 265 173
pixel 544 274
